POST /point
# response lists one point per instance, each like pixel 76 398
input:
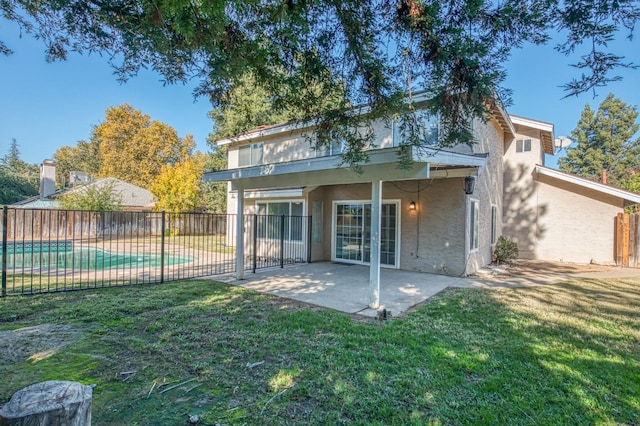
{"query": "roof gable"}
pixel 631 197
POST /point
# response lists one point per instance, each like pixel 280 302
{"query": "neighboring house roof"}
pixel 36 203
pixel 132 196
pixel 546 132
pixel 631 197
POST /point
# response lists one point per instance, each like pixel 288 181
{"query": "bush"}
pixel 505 250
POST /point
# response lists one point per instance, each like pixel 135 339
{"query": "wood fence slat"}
pixel 625 240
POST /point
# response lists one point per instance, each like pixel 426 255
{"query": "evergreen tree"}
pixel 604 141
pixel 378 50
pixel 18 179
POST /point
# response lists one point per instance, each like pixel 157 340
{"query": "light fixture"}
pixel 469 184
pixel 412 205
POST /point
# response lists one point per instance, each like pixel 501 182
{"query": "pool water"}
pixel 92 259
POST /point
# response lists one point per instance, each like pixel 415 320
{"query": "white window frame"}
pixel 474 225
pixel 432 121
pixel 494 224
pixel 254 158
pixel 334 210
pixel 288 232
pixel 524 145
pixel 336 147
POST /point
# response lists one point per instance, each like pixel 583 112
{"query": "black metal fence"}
pixel 60 250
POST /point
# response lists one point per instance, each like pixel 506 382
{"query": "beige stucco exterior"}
pixel 573 223
pixel 434 237
pixel 549 218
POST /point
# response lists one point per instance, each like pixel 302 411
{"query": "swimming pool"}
pixel 90 259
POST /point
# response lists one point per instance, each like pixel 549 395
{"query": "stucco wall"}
pixel 432 238
pixel 521 211
pixel 489 190
pixel 296 145
pixel 575 224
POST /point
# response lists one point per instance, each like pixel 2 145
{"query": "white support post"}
pixel 374 266
pixel 240 235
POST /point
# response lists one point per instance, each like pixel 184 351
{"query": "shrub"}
pixel 505 250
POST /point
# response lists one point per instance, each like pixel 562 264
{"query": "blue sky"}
pixel 47 105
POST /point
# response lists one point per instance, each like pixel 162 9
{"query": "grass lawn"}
pixel 561 354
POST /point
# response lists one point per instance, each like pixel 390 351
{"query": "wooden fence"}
pixel 627 240
pixel 76 224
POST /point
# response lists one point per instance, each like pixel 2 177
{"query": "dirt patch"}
pixel 37 342
pixel 535 268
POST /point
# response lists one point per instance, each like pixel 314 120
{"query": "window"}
pixel 494 224
pixel 271 222
pixel 474 225
pixel 426 128
pixel 250 155
pixel 523 145
pixel 337 146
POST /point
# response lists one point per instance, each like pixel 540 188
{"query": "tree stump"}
pixel 55 402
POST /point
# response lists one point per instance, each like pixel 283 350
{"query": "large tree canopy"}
pixel 375 50
pixel 18 179
pixel 134 148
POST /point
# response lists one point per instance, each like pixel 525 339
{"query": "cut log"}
pixel 55 402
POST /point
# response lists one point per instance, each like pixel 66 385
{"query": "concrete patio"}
pixel 345 287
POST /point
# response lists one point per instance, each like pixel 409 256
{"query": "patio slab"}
pixel 345 287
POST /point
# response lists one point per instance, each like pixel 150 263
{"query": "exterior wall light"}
pixel 412 205
pixel 469 184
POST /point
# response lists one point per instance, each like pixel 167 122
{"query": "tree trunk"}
pixel 54 402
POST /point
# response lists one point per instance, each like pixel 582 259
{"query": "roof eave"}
pixel 585 183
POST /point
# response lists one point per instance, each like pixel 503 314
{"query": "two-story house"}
pixel 443 215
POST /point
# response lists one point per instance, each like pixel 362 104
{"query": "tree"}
pixel 179 186
pixel 604 140
pixel 133 148
pixel 84 157
pixel 376 50
pixel 18 179
pixel 100 196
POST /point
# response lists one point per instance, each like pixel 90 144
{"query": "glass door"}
pixel 353 233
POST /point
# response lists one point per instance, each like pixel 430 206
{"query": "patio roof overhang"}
pixel 429 163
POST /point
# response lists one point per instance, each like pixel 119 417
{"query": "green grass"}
pixel 212 243
pixel 562 354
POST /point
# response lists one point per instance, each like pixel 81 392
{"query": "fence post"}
pixel 255 242
pixel 4 250
pixel 309 218
pixel 162 225
pixel 282 241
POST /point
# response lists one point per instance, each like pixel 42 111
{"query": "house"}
pixel 131 197
pixel 443 215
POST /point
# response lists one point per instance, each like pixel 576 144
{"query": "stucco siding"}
pixel 297 145
pixel 574 224
pixel 431 238
pixel 520 207
pixel 488 192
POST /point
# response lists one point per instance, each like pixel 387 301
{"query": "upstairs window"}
pixel 523 145
pixel 250 155
pixel 425 127
pixel 336 147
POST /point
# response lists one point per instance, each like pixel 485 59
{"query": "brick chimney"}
pixel 47 178
pixel 604 176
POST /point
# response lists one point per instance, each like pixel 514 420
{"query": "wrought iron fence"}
pixel 60 250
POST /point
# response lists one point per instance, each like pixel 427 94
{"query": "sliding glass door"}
pixel 352 232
